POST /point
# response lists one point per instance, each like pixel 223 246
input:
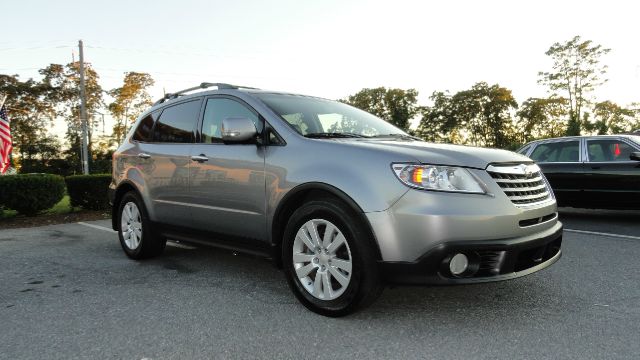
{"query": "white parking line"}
pixel 180 245
pixel 97 227
pixel 602 234
pixel 169 243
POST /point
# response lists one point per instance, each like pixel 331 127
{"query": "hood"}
pixel 444 154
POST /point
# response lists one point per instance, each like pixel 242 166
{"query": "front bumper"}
pixel 490 260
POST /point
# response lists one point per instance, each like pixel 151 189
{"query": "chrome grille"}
pixel 523 184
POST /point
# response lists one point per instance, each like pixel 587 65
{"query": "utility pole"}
pixel 83 114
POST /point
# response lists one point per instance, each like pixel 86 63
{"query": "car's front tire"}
pixel 329 261
pixel 135 231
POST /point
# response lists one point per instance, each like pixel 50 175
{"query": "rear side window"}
pixel 144 131
pixel 176 123
pixel 560 151
pixel 608 150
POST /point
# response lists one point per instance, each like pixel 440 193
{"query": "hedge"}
pixel 30 194
pixel 88 191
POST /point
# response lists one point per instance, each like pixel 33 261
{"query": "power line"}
pixel 210 53
pixel 36 48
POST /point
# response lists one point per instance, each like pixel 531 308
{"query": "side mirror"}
pixel 238 130
pixel 635 156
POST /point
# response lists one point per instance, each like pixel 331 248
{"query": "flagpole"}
pixel 4 98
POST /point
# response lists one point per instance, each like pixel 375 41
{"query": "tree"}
pixel 439 122
pixel 610 118
pixel 576 72
pixel 31 112
pixel 129 101
pixel 396 106
pixel 541 118
pixel 479 116
pixel 66 82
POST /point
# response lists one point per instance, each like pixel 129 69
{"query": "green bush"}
pixel 30 194
pixel 89 191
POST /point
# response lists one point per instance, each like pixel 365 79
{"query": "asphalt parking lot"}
pixel 68 291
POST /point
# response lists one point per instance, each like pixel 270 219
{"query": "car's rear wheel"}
pixel 329 260
pixel 137 237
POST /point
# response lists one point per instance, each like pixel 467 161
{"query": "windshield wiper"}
pixel 329 135
pixel 398 136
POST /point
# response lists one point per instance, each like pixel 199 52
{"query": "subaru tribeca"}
pixel 342 201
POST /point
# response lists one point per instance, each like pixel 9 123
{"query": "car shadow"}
pixel 256 278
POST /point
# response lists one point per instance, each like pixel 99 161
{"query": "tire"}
pixel 141 242
pixel 317 276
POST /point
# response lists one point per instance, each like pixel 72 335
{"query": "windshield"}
pixel 314 117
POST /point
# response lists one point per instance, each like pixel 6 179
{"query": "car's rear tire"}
pixel 329 259
pixel 135 231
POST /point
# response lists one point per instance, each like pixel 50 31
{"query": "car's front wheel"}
pixel 328 259
pixel 137 237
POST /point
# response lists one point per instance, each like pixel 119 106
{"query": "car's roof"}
pixel 628 136
pixel 233 91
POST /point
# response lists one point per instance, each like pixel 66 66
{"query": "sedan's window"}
pixel 608 150
pixel 559 151
pixel 524 150
pixel 218 109
pixel 176 123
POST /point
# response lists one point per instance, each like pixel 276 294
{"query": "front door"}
pixel 612 178
pixel 227 183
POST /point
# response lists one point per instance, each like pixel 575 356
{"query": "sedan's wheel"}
pixel 322 259
pixel 137 237
pixel 329 258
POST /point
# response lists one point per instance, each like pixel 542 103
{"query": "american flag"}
pixel 5 141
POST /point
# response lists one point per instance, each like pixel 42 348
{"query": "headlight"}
pixel 438 178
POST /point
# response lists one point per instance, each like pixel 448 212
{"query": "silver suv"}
pixel 341 200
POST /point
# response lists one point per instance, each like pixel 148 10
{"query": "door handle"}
pixel 144 156
pixel 595 167
pixel 199 158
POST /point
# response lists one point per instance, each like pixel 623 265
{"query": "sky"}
pixel 328 48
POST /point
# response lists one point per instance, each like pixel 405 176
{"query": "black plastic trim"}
pixel 428 268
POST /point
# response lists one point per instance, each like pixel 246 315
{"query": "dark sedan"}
pixel 591 171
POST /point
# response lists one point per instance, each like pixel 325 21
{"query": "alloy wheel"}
pixel 322 259
pixel 131 225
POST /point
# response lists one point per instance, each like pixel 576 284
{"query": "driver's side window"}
pixel 218 109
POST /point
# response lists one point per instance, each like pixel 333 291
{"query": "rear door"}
pixel 227 181
pixel 165 161
pixel 560 161
pixel 612 178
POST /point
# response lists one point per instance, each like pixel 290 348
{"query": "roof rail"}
pixel 203 85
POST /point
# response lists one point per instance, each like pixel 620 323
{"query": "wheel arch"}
pixel 123 188
pixel 301 194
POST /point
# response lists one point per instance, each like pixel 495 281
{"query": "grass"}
pixel 63 207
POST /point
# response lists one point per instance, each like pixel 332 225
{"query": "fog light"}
pixel 459 264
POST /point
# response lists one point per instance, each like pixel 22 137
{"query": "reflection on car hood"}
pixel 445 154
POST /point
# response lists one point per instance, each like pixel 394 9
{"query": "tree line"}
pixel 33 107
pixel 483 115
pixel 489 115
